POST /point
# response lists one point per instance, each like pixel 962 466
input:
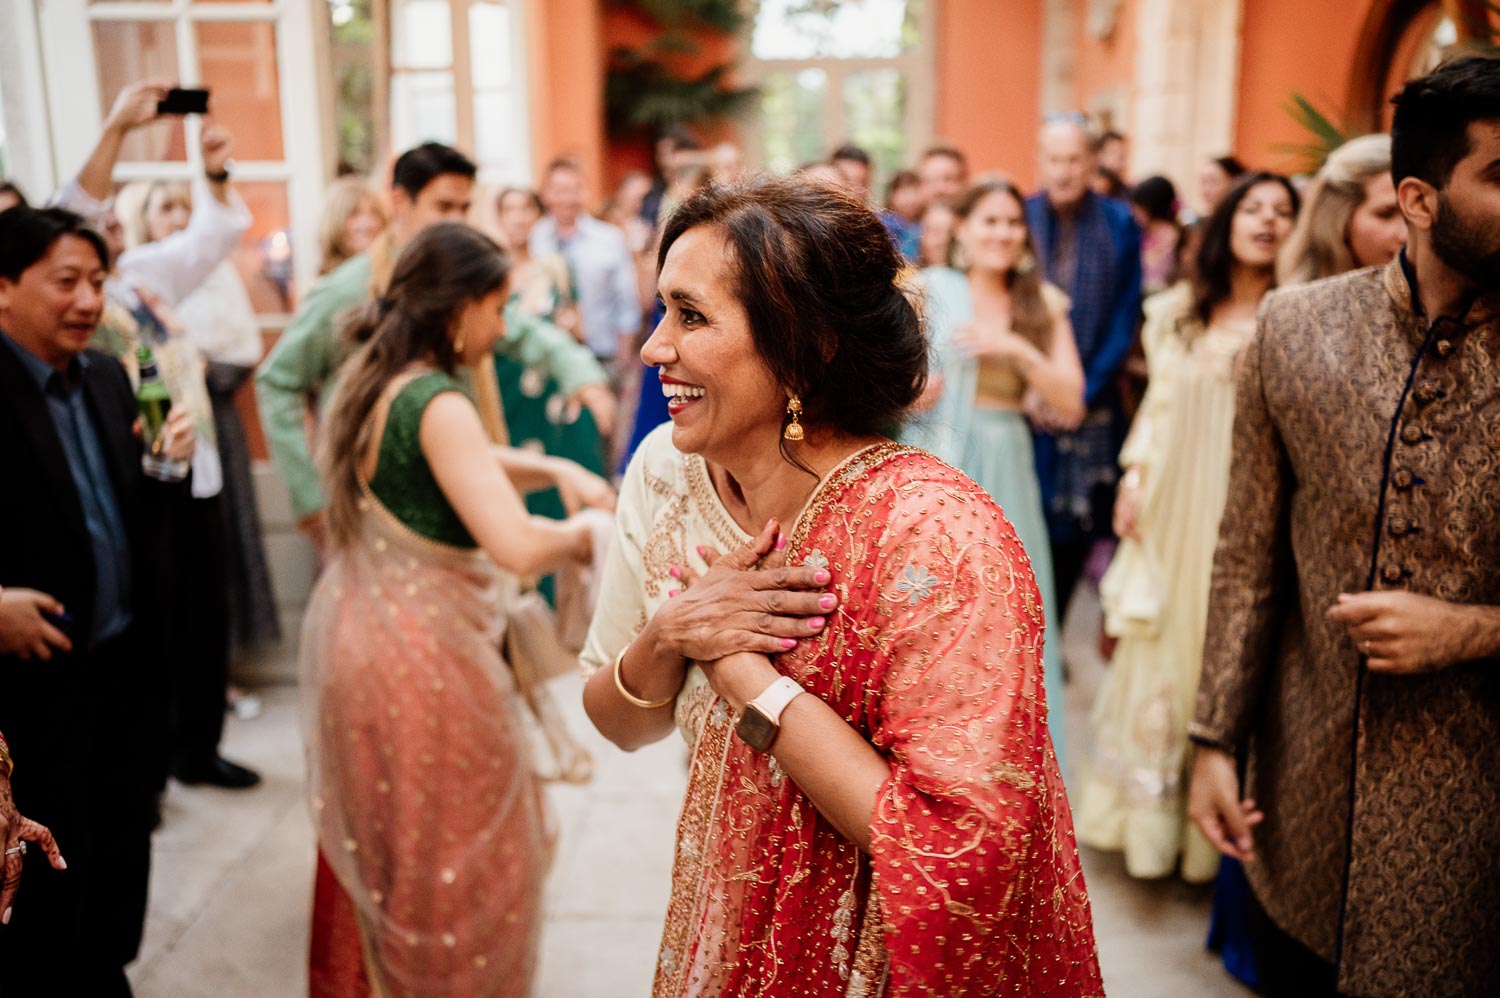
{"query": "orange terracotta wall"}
pixel 567 82
pixel 1291 46
pixel 989 72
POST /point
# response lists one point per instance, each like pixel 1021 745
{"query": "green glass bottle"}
pixel 155 403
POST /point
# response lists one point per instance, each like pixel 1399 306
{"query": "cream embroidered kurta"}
pixel 1155 595
pixel 666 510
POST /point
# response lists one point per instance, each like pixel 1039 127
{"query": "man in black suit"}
pixel 81 691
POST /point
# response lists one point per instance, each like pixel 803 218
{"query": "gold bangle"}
pixel 631 697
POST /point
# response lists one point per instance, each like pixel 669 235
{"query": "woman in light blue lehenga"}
pixel 1002 348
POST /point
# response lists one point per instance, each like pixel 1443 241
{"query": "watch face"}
pixel 755 729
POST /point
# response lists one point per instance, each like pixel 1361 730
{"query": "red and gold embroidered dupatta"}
pixel 974 886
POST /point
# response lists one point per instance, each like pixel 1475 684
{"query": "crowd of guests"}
pixel 865 453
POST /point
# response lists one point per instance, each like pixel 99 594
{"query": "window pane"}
pixel 422 108
pixel 238 62
pixel 489 46
pixel 852 29
pixel 126 51
pixel 264 256
pixel 495 129
pixel 875 112
pixel 792 119
pixel 421 34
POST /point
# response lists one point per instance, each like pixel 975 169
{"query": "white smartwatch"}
pixel 760 721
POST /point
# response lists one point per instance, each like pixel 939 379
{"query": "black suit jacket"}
pixel 86 728
pixel 46 543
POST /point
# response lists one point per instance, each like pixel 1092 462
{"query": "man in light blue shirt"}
pixel 603 271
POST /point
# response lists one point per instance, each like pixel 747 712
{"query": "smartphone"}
pixel 181 101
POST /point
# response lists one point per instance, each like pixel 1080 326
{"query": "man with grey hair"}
pixel 1091 248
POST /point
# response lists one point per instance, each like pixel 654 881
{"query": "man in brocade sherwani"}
pixel 1354 622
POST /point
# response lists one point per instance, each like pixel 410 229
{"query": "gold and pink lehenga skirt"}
pixel 428 814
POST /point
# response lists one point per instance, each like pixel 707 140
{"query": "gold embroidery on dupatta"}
pixel 675 957
pixel 862 961
pixel 867 979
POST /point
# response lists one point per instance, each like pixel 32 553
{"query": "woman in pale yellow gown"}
pixel 1133 793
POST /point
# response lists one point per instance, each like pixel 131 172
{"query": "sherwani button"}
pixel 1392 573
pixel 1444 347
pixel 1412 433
pixel 1403 478
pixel 1427 393
pixel 1399 525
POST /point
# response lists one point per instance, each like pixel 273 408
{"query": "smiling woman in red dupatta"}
pixel 887 817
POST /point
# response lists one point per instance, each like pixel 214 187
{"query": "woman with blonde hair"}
pixel 1351 219
pixel 352 218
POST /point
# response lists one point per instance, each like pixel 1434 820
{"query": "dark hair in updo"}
pixel 819 278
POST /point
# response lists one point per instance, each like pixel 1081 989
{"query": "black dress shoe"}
pixel 216 771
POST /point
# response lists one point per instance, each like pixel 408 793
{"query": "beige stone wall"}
pixel 1186 88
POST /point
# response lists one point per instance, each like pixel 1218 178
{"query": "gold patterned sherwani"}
pixel 1366 455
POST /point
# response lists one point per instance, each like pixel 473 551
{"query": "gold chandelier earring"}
pixel 793 429
pixel 458 347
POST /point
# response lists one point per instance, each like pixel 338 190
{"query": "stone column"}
pixel 1186 84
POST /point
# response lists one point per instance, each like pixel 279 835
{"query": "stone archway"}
pixel 1392 33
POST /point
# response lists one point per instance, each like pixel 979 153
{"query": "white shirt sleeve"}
pixel 74 198
pixel 220 321
pixel 172 268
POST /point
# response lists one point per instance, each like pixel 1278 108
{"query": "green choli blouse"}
pixel 403 481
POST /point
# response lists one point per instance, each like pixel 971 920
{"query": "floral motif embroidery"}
pixel 757 865
pixel 843 932
pixel 719 716
pixel 918 582
pixel 816 559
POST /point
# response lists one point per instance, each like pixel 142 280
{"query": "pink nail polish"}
pixel 780 541
pixel 699 549
pixel 821 577
pixel 788 643
pixel 816 624
pixel 671 593
pixel 5 918
pixel 828 602
pixel 675 572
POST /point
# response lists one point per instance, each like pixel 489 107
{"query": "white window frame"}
pixel 918 66
pixel 74 115
pixel 466 137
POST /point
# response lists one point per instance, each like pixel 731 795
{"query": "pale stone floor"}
pixel 232 877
